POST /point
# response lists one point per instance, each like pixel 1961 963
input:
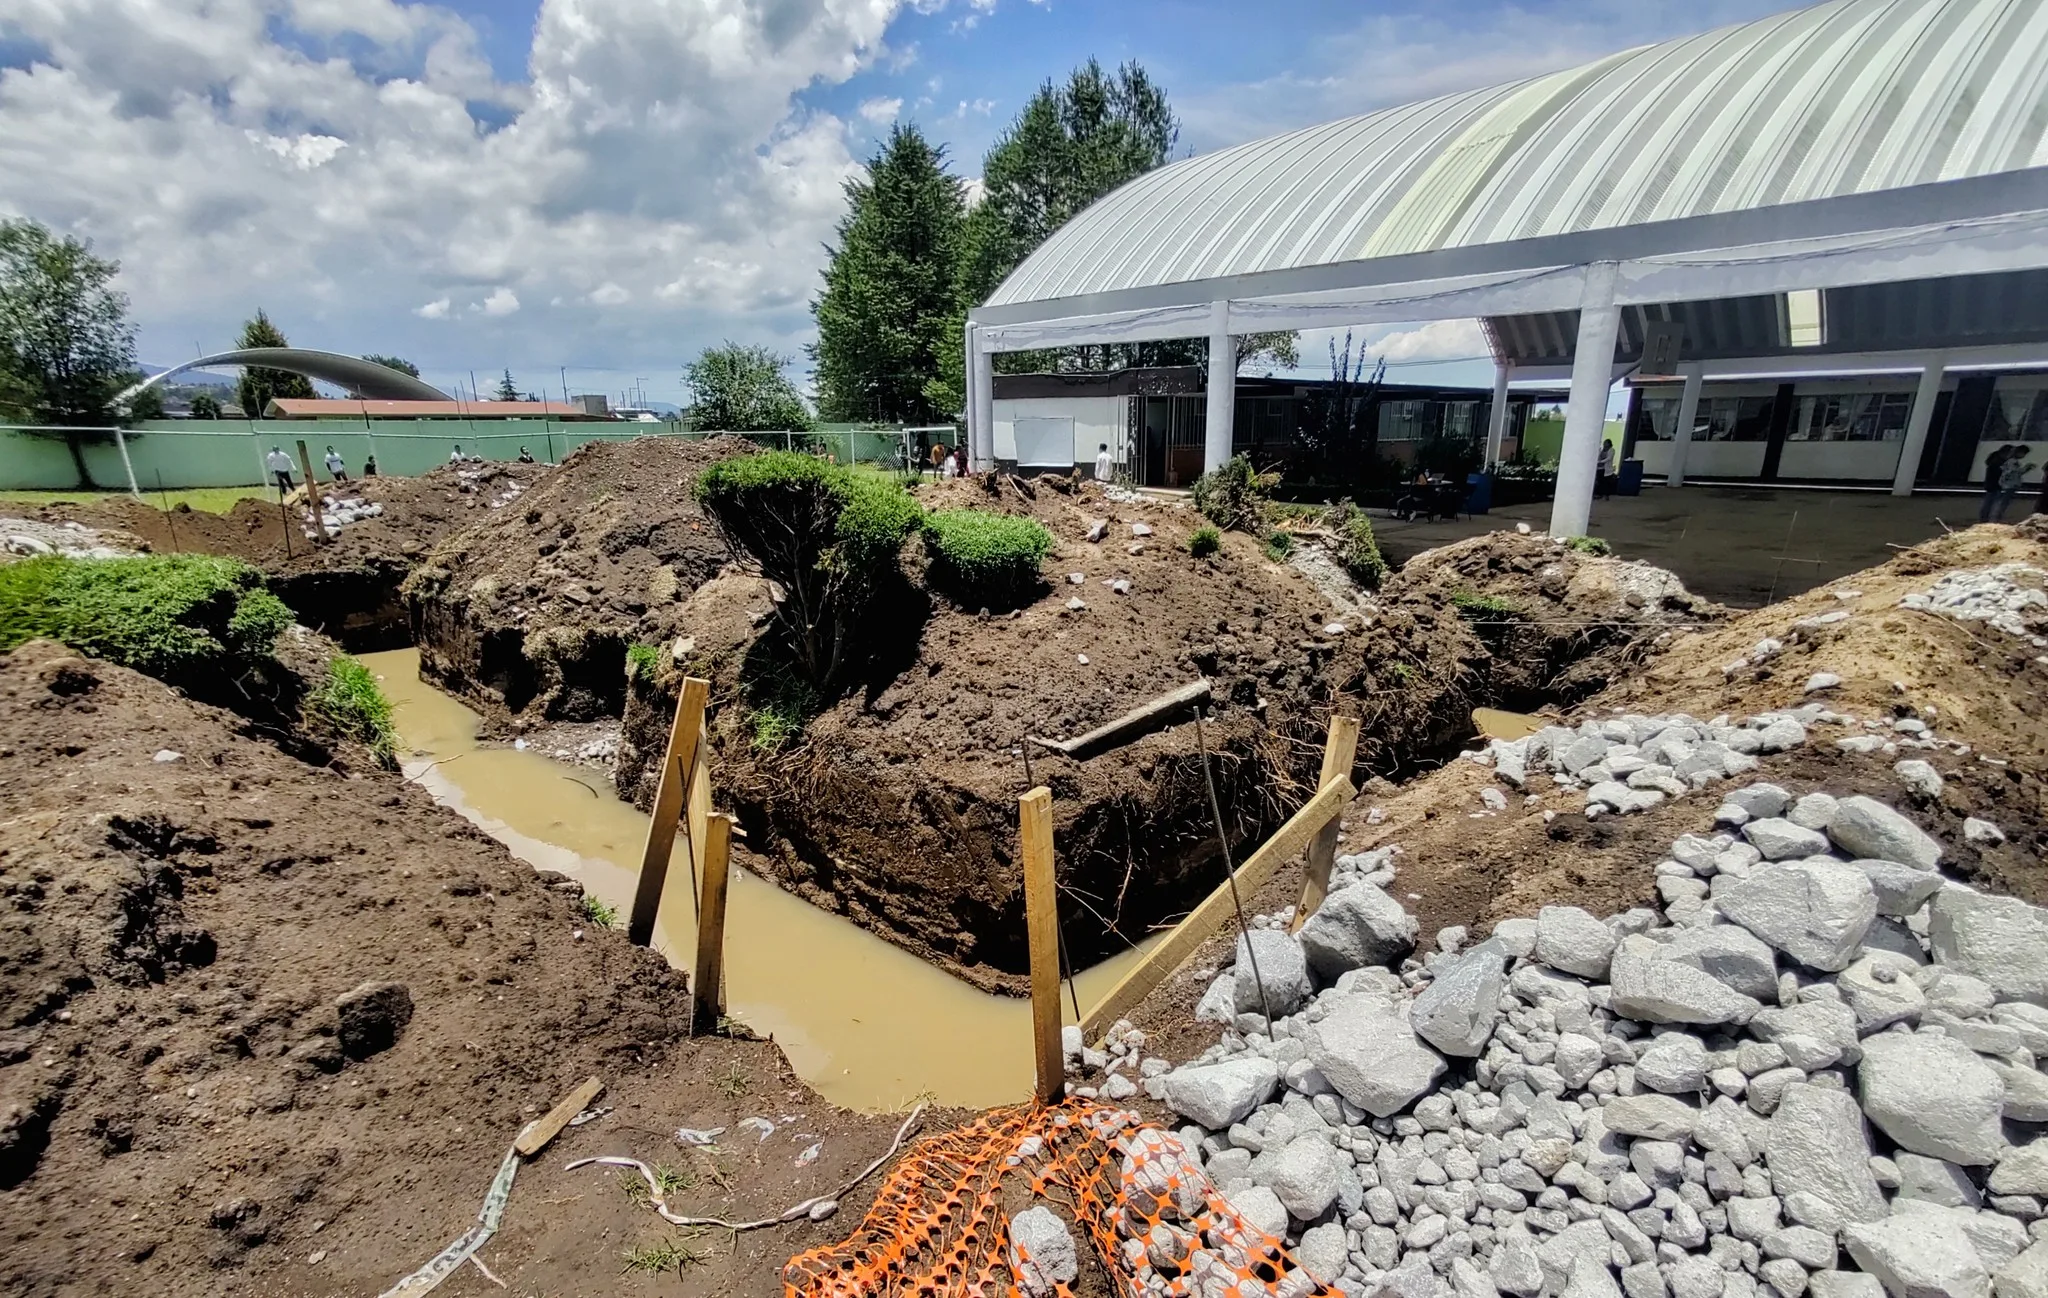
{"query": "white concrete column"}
pixel 1586 415
pixel 1917 424
pixel 1497 416
pixel 1222 388
pixel 981 422
pixel 1688 415
pixel 121 440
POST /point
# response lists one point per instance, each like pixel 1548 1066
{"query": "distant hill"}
pixel 197 378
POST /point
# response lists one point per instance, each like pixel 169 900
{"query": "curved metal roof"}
pixel 369 378
pixel 1849 97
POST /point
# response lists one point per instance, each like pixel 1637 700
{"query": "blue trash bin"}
pixel 1479 493
pixel 1630 483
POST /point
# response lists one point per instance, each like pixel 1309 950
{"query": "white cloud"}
pixel 343 162
pixel 879 110
pixel 1438 340
pixel 608 294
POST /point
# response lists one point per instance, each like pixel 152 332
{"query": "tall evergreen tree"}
pixel 891 289
pixel 507 390
pixel 260 386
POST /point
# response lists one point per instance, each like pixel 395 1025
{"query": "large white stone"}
pixel 1372 1056
pixel 2022 1170
pixel 1651 989
pixel 1919 1256
pixel 1570 939
pixel 1997 1238
pixel 1042 1253
pixel 1933 1096
pixel 1322 1251
pixel 1817 1145
pixel 1880 991
pixel 1674 1064
pixel 1217 1095
pixel 1590 1279
pixel 1456 1013
pixel 1901 889
pixel 1997 939
pixel 1260 1207
pixel 1815 911
pixel 1866 827
pixel 1733 955
pixel 1281 967
pixel 1932 1180
pixel 1781 840
pixel 1650 1117
pixel 2026 1276
pixel 1357 925
pixel 1304 1176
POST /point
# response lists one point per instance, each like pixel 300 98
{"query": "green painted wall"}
pixel 229 452
pixel 1543 440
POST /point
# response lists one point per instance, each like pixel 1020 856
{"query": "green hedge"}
pixel 168 615
pixel 985 560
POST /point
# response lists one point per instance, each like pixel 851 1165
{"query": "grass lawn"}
pixel 216 500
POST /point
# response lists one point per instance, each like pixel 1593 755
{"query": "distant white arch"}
pixel 369 378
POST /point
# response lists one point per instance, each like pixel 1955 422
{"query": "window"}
pixel 1263 421
pixel 1851 417
pixel 2018 413
pixel 1804 325
pixel 1733 419
pixel 1659 421
pixel 1404 421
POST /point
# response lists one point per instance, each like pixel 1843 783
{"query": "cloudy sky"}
pixel 611 185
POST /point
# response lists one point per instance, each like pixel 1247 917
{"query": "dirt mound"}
pixel 532 612
pixel 898 805
pixel 1982 690
pixel 195 1091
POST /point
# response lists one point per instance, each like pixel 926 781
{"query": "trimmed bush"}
pixel 1279 545
pixel 351 702
pixel 828 534
pixel 1204 542
pixel 1234 495
pixel 1357 549
pixel 172 616
pixel 985 560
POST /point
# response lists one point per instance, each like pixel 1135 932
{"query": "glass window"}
pixel 2018 413
pixel 1851 417
pixel 1803 320
pixel 1733 419
pixel 1403 421
pixel 1659 420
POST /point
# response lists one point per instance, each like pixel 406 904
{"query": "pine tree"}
pixel 260 386
pixel 887 337
pixel 507 389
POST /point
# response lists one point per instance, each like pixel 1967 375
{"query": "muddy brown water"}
pixel 869 1026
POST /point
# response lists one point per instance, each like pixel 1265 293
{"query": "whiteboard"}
pixel 1045 442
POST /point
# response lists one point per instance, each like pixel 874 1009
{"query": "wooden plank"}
pixel 1042 927
pixel 536 1137
pixel 1339 751
pixel 312 492
pixel 678 769
pixel 706 1001
pixel 1135 719
pixel 1207 918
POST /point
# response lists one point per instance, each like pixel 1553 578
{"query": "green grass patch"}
pixel 214 500
pixel 1278 545
pixel 1205 541
pixel 1588 545
pixel 169 615
pixel 350 701
pixel 780 708
pixel 641 660
pixel 1402 672
pixel 671 1254
pixel 985 560
pixel 1472 604
pixel 598 913
pixel 1357 548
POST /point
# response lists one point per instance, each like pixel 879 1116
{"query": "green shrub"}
pixel 1472 604
pixel 1589 545
pixel 1234 495
pixel 172 616
pixel 1205 541
pixel 1279 545
pixel 598 913
pixel 985 560
pixel 641 660
pixel 781 706
pixel 1357 549
pixel 827 534
pixel 350 701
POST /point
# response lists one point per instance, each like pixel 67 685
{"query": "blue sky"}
pixel 611 185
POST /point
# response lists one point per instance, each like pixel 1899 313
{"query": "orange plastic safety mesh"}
pixel 939 1226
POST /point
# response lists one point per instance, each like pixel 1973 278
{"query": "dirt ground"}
pixel 185 1111
pixel 1966 681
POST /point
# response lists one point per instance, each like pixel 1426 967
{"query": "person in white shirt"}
pixel 1102 463
pixel 279 466
pixel 1603 474
pixel 455 456
pixel 335 468
pixel 946 467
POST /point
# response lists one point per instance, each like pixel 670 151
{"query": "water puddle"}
pixel 869 1026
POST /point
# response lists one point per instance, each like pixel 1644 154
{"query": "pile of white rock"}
pixel 337 512
pixel 2002 596
pixel 30 539
pixel 1812 1070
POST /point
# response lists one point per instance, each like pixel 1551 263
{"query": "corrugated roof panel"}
pixel 1851 96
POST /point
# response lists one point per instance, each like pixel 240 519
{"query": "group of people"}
pixel 2005 472
pixel 279 466
pixel 943 461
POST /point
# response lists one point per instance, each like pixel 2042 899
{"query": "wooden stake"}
pixel 1131 722
pixel 1339 751
pixel 706 1002
pixel 312 493
pixel 1042 925
pixel 678 770
pixel 1208 917
pixel 535 1138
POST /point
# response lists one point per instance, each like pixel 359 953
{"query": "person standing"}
pixel 1603 473
pixel 2011 473
pixel 336 469
pixel 1992 464
pixel 455 456
pixel 279 466
pixel 1102 463
pixel 525 456
pixel 960 460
